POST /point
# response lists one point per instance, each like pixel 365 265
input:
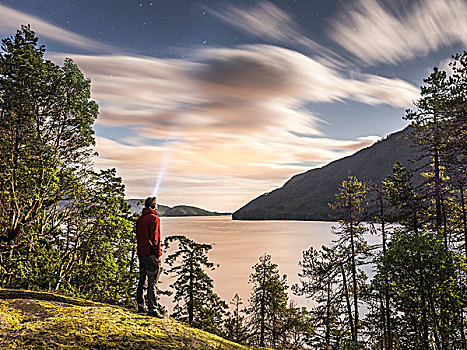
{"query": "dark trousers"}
pixel 148 270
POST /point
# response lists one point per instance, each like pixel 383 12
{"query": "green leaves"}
pixel 65 227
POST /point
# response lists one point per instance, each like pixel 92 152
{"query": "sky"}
pixel 212 103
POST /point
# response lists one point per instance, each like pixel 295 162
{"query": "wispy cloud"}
pixel 268 21
pixel 216 172
pixel 233 117
pixel 372 32
pixel 11 20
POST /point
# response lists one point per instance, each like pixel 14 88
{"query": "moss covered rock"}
pixel 34 320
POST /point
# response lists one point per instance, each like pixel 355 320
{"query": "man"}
pixel 148 237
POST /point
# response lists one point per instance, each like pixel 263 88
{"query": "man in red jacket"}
pixel 148 237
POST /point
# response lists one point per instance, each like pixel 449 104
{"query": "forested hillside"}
pixel 306 196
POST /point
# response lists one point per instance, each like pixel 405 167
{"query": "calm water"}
pixel 237 246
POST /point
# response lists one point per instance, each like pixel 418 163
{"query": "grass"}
pixel 36 320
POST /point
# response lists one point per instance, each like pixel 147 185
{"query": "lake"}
pixel 237 246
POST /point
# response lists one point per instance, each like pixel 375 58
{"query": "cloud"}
pixel 370 31
pixel 234 118
pixel 11 20
pixel 226 76
pixel 214 172
pixel 267 21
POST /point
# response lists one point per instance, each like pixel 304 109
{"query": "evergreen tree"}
pixel 235 328
pixel 297 328
pixel 353 249
pixel 194 297
pixel 380 295
pixel 431 126
pixel 267 304
pixel 321 280
pixel 424 276
pixel 402 196
pixel 456 146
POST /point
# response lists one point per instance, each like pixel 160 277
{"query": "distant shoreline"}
pixel 136 206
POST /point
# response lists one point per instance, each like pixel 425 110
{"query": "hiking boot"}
pixel 154 314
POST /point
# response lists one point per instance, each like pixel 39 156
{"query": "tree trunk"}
pixel 328 306
pixel 464 218
pixel 347 299
pixel 354 281
pixel 384 340
pixel 263 310
pixel 388 335
pixel 438 183
pixel 190 292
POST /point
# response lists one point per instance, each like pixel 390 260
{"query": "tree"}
pixel 63 226
pixel 46 138
pixel 268 302
pixel 321 280
pixel 196 302
pixel 351 244
pixel 403 197
pixel 436 127
pixel 456 147
pixel 97 242
pixel 235 327
pixel 428 312
pixel 297 328
pixel 382 289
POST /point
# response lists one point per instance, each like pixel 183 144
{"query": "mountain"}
pixel 306 196
pixel 136 205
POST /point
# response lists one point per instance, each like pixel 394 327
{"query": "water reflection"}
pixel 237 245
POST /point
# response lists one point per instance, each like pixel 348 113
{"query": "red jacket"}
pixel 148 233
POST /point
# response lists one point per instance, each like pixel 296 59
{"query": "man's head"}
pixel 150 202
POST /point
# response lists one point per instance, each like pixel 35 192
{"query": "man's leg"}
pixel 152 269
pixel 141 281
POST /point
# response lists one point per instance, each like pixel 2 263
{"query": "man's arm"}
pixel 156 235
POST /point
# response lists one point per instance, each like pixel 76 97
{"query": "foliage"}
pixel 196 302
pixel 352 248
pixel 63 226
pixel 272 321
pixel 268 301
pixel 321 279
pixel 45 135
pixel 234 324
pixel 425 279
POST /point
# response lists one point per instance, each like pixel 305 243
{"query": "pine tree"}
pixel 424 277
pixel 381 297
pixel 321 281
pixel 456 146
pixel 352 246
pixel 235 327
pixel 195 300
pixel 267 304
pixel 430 124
